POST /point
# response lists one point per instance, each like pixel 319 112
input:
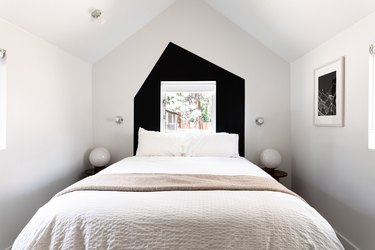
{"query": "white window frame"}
pixel 184 86
pixel 371 125
pixel 3 100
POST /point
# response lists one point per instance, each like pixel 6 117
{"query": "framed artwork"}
pixel 329 94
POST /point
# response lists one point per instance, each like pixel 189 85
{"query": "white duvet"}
pixel 178 219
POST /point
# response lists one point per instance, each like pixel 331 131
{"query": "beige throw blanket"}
pixel 149 182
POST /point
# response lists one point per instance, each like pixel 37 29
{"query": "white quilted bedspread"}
pixel 178 219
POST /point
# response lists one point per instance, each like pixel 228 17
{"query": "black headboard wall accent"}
pixel 178 64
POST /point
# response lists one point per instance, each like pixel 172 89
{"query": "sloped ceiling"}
pixel 290 28
pixel 68 24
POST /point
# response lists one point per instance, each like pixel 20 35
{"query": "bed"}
pixel 101 216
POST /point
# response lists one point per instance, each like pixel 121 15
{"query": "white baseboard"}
pixel 348 245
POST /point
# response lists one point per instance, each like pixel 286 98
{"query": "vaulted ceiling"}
pixel 290 28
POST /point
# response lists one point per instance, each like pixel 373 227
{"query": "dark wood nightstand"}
pixel 93 171
pixel 276 174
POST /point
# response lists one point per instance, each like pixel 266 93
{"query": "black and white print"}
pixel 327 94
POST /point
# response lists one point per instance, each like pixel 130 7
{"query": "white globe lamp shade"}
pixel 99 157
pixel 270 158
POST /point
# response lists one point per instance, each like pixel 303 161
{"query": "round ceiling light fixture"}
pixel 96 15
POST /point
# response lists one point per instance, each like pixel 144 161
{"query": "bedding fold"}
pixel 157 182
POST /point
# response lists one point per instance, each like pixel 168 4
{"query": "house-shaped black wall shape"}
pixel 178 64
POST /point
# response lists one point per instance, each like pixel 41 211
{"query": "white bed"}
pixel 178 219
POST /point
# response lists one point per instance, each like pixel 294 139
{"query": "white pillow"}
pixel 218 144
pixel 152 143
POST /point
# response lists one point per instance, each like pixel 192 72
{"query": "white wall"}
pixel 117 77
pixel 49 126
pixel 332 167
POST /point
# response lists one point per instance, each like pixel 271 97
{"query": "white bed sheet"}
pixel 186 165
pixel 178 219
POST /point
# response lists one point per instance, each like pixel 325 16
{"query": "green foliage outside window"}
pixel 192 108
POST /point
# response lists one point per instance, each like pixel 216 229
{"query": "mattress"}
pixel 215 219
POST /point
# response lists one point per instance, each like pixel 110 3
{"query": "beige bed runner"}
pixel 150 182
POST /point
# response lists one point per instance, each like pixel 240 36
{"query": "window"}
pixel 371 136
pixel 2 98
pixel 188 106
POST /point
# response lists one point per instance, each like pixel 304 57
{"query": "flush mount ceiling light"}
pixel 96 15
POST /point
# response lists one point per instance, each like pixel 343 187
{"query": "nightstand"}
pixel 276 174
pixel 93 171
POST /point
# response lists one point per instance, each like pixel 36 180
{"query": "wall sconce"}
pixel 119 119
pixel 2 53
pixel 259 121
pixel 372 49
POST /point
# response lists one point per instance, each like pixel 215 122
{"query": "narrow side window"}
pixel 188 106
pixel 371 133
pixel 2 99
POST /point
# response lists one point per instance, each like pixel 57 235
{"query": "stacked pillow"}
pixel 152 143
